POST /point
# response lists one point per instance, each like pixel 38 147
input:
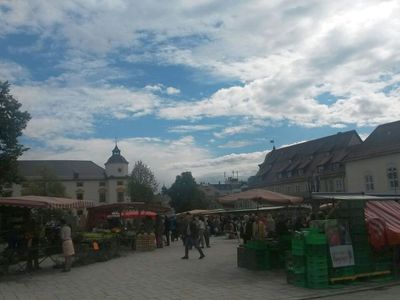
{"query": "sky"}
pixel 201 86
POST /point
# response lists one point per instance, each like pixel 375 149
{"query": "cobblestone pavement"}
pixel 161 274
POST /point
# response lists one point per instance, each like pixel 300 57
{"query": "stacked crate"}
pixel 317 260
pixel 359 236
pixel 257 255
pixel 296 261
pixel 145 242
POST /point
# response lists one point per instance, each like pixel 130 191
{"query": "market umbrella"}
pixel 261 196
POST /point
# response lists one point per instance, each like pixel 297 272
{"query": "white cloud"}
pixel 192 128
pixel 167 158
pixel 160 88
pixel 236 144
pixel 12 72
pixel 172 91
pixel 73 110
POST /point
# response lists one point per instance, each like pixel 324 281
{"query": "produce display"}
pixel 145 242
pixel 96 246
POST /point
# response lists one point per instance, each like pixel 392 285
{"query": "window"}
pixel 76 175
pixel 120 183
pixel 289 174
pixel 297 188
pixel 369 183
pixel 102 183
pixel 119 170
pixel 79 196
pixel 392 177
pixel 25 184
pixel 300 172
pixel 102 197
pixel 330 185
pixel 79 184
pixel 120 196
pixel 339 185
pixel 320 169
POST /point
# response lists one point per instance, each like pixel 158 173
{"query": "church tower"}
pixel 116 165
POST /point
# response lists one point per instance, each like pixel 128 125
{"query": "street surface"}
pixel 162 274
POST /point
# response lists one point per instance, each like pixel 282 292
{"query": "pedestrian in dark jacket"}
pixel 167 229
pixel 191 234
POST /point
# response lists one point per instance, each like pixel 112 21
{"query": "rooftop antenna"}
pixel 273 144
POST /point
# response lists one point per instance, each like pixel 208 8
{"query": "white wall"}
pixel 377 167
pixel 117 170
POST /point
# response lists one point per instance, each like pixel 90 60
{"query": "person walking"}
pixel 67 245
pixel 191 236
pixel 167 230
pixel 202 229
pixel 207 231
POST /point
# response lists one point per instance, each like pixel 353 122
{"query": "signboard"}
pixel 340 246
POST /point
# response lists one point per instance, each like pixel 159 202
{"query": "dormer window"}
pixel 300 172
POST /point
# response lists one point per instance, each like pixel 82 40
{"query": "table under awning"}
pixel 45 202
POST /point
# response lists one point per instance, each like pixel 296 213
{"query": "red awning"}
pixel 45 202
pixel 131 214
pixel 383 219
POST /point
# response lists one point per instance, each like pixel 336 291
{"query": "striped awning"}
pixel 45 202
pixel 262 196
pixel 383 219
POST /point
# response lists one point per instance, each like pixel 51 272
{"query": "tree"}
pixel 185 194
pixel 142 183
pixel 12 122
pixel 47 185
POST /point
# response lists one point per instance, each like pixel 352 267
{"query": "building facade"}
pixel 373 166
pixel 82 179
pixel 313 166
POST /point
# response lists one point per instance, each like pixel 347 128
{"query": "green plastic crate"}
pixel 257 259
pixel 298 246
pixel 256 244
pixel 316 249
pixel 316 239
pixel 342 272
pixel 364 268
pixel 296 278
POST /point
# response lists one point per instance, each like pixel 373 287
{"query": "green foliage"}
pixel 12 122
pixel 185 194
pixel 142 183
pixel 47 185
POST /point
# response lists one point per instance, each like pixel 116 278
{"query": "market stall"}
pixel 25 234
pixel 133 221
pixel 351 237
pixel 347 244
pixel 267 209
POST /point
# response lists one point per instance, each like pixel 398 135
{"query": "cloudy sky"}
pixel 197 85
